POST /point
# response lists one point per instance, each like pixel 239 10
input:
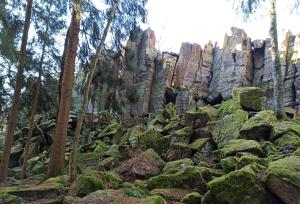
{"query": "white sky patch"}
pixel 198 21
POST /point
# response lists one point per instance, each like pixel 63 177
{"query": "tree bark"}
pixel 57 155
pixel 276 66
pixel 35 100
pixel 14 108
pixel 89 77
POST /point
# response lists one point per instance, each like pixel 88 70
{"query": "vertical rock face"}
pixel 187 65
pixel 146 54
pixel 211 71
pixel 234 64
pixel 296 60
pixel 165 67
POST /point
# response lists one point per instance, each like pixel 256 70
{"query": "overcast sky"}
pixel 197 21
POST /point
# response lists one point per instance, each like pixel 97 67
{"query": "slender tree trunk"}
pixel 57 155
pixel 276 66
pixel 35 100
pixel 72 162
pixel 62 65
pixel 13 112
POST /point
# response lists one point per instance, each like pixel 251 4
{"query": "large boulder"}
pixel 228 128
pixel 196 119
pixel 143 166
pixel 259 126
pixel 283 127
pixel 178 151
pixel 283 179
pixel 178 164
pixel 93 181
pixel 288 143
pixel 240 145
pixel 239 186
pixel 250 98
pixel 191 177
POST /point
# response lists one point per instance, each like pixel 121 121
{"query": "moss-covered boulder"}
pixel 183 135
pixel 288 143
pixel 178 151
pixel 171 194
pixel 211 111
pixel 283 127
pixel 236 187
pixel 10 199
pixel 228 128
pixel 149 138
pixel 233 163
pixel 178 164
pixel 195 119
pixel 169 111
pixel 93 181
pixel 297 152
pixel 228 107
pixel 190 177
pixel 259 126
pixel 143 166
pixel 240 145
pixel 204 146
pixel 152 200
pixel 283 179
pixel 192 198
pixel 135 132
pixel 250 98
pixel 52 188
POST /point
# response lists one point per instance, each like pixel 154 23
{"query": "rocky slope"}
pixel 235 152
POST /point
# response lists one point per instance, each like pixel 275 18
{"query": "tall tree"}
pixel 57 155
pixel 86 91
pixel 13 112
pixel 36 95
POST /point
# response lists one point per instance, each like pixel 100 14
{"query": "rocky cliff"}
pixel 210 72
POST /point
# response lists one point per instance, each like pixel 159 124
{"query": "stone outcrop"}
pixel 211 72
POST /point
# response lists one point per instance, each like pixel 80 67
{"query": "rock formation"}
pixel 211 71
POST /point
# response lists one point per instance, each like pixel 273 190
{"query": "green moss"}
pixel 183 135
pixel 125 138
pixel 283 127
pixel 229 107
pixel 250 98
pixel 236 187
pixel 198 144
pixel 259 126
pixel 93 181
pixel 151 156
pixel 178 151
pixel 135 132
pixel 169 111
pixel 283 179
pixel 134 192
pixel 240 145
pixel 297 152
pixel 108 163
pixel 288 169
pixel 101 147
pixel 288 141
pixel 228 127
pixel 178 164
pixel 10 199
pixel 88 158
pixel 189 177
pixel 211 111
pixel 149 138
pixel 152 200
pixel 110 130
pixel 172 194
pixel 192 198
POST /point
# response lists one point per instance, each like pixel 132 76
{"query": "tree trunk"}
pixel 62 65
pixel 57 155
pixel 276 66
pixel 35 100
pixel 13 112
pixel 72 163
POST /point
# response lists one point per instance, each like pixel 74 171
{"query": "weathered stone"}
pixel 283 179
pixel 192 198
pixel 178 151
pixel 190 178
pixel 142 166
pixel 228 128
pixel 235 63
pixel 172 194
pixel 177 165
pixel 250 98
pixel 259 126
pixel 169 111
pixel 240 145
pixel 236 187
pixel 196 119
pixel 93 181
pixel 288 143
